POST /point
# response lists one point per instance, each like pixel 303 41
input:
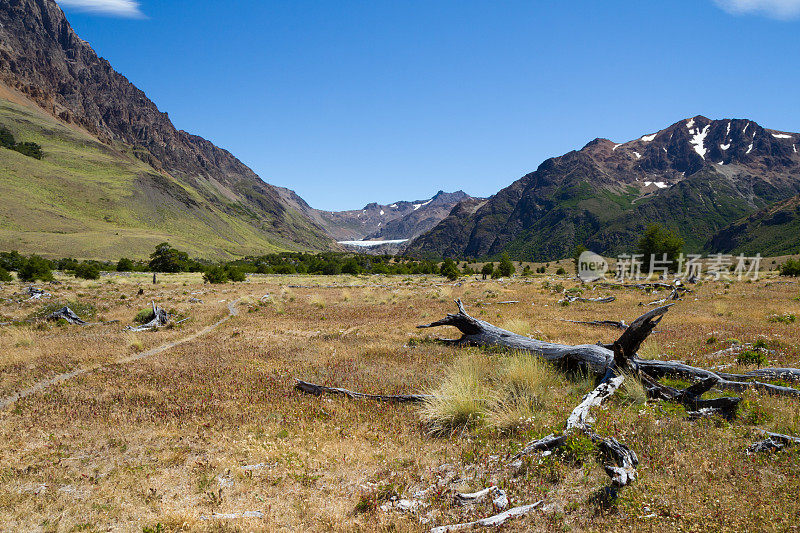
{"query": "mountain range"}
pixel 698 176
pixel 117 178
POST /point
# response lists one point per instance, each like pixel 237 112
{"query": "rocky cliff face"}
pixel 696 176
pixel 41 56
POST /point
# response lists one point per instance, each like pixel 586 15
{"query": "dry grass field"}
pixel 209 434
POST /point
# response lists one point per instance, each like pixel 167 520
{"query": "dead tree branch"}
pixel 317 390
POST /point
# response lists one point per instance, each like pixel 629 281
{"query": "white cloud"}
pixel 117 8
pixel 779 9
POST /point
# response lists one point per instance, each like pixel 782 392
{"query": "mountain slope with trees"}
pixel 695 177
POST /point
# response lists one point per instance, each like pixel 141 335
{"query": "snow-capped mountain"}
pixel 696 176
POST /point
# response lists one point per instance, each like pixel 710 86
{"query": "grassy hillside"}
pixel 90 200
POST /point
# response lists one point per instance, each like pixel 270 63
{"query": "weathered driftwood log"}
pixel 65 313
pixel 598 358
pixel 317 390
pixel 499 497
pixel 492 521
pixel 160 319
pixel 570 299
pixel 619 324
pixel 593 357
pixel 676 294
pixel 773 442
pixel 619 461
pixel 732 382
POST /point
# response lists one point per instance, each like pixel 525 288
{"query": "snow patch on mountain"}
pixel 648 138
pixel 781 136
pixel 698 139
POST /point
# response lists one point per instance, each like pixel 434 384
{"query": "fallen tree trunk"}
pixel 593 357
pixel 570 299
pixel 65 313
pixel 773 442
pixel 317 390
pixel 598 358
pixel 619 324
pixel 492 521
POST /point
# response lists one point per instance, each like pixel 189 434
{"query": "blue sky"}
pixel 351 102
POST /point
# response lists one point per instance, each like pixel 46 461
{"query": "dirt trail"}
pixel 40 386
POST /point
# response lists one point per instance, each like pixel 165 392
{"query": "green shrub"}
pixel 791 268
pixel 657 242
pixel 165 258
pixel 751 357
pixel 6 138
pixel 29 149
pixel 215 274
pixel 786 318
pixel 4 275
pixel 579 448
pixel 560 271
pixel 487 270
pixel 144 316
pixel 125 265
pixel 505 268
pixel 35 268
pixel 235 273
pixel 449 270
pixel 87 270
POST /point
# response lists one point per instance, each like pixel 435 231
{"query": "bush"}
pixel 125 265
pixel 235 273
pixel 4 275
pixel 35 268
pixel 351 266
pixel 791 268
pixel 487 270
pixel 87 270
pixel 786 318
pixel 751 357
pixel 144 316
pixel 560 271
pixel 6 138
pixel 215 274
pixel 29 149
pixel 165 258
pixel 11 261
pixel 505 268
pixel 449 270
pixel 658 241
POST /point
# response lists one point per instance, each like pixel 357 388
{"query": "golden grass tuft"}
pixel 459 400
pixel 502 392
pixel 517 325
pixel 133 341
pixel 632 391
pixel 317 301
